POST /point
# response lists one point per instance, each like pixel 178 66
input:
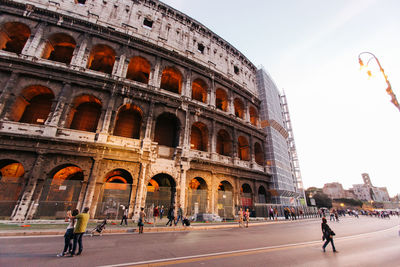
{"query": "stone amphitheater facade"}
pixel 109 104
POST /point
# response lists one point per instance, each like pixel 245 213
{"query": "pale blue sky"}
pixel 343 122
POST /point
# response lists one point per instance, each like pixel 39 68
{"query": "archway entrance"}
pixel 160 192
pixel 115 195
pixel 11 181
pixel 247 196
pixel 197 196
pixel 225 200
pixel 60 193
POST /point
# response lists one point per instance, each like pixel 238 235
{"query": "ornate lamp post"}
pixel 389 88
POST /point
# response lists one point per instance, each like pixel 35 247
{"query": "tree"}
pixel 322 200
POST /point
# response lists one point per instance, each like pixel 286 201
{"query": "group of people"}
pixel 244 217
pixel 77 223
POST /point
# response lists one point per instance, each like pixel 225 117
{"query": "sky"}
pixel 343 121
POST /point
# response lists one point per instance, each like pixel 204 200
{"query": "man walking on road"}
pixel 327 234
pixel 80 229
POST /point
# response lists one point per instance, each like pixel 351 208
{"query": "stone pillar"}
pixel 246 112
pixel 231 107
pixel 213 138
pixel 7 97
pixel 187 89
pixel 149 121
pixel 118 65
pixel 251 150
pixel 155 73
pixel 184 168
pixel 140 191
pixel 78 59
pixel 211 101
pixel 33 42
pixel 26 206
pixel 235 143
pixel 94 172
pixel 187 129
pixel 107 114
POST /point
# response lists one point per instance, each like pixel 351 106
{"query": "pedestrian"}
pixel 125 216
pixel 155 215
pixel 170 216
pixel 180 214
pixel 142 215
pixel 276 214
pixel 327 235
pixel 336 216
pixel 271 214
pixel 69 234
pixel 82 220
pixel 247 217
pixel 161 212
pixel 240 217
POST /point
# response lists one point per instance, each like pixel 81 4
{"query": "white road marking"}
pixel 245 250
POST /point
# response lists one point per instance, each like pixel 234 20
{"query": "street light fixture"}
pixel 389 88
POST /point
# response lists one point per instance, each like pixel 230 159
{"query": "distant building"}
pixel 334 190
pixel 380 194
pixel 349 194
pixel 362 192
pixel 368 192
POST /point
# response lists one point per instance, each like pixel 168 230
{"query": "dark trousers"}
pixel 179 218
pixel 77 239
pixel 327 242
pixel 170 220
pixel 69 235
pixel 124 219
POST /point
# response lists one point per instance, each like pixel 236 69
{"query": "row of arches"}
pixel 60 48
pixel 63 189
pixel 34 105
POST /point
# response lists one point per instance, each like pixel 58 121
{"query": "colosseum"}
pixel 110 104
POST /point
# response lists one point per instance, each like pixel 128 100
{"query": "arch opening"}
pixel 60 192
pixel 225 200
pixel 129 121
pixel 33 105
pixel 224 143
pixel 161 191
pixel 171 80
pixel 197 196
pixel 221 99
pixel 167 130
pixel 247 196
pixel 199 137
pixel 102 58
pixel 13 37
pixel 262 195
pixel 139 70
pixel 11 183
pixel 253 116
pixel 115 194
pixel 199 90
pixel 258 154
pixel 85 113
pixel 239 108
pixel 243 148
pixel 60 47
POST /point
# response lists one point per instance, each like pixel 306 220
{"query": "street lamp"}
pixel 389 88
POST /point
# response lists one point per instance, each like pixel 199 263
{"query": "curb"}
pixel 148 229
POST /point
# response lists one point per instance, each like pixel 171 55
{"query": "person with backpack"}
pixel 327 234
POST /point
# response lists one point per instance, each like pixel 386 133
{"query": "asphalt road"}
pixel 361 242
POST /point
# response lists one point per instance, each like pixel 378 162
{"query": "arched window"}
pixel 253 116
pixel 60 48
pixel 239 108
pixel 33 105
pixel 13 36
pixel 259 154
pixel 161 191
pixel 225 199
pixel 171 80
pixel 138 70
pixel 85 114
pixel 243 148
pixel 102 58
pixel 199 137
pixel 197 196
pixel 11 184
pixel 262 195
pixel 129 121
pixel 199 90
pixel 224 143
pixel 221 99
pixel 167 130
pixel 247 196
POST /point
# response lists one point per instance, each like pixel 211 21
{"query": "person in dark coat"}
pixel 327 235
pixel 170 216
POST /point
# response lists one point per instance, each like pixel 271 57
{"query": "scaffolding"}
pixel 292 148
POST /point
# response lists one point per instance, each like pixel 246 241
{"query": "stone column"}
pixel 247 112
pixel 211 101
pixel 94 172
pixel 187 89
pixel 33 42
pixel 235 143
pixel 7 97
pixel 155 73
pixel 27 205
pixel 187 129
pixel 78 59
pixel 119 65
pixel 251 150
pixel 231 107
pixel 140 191
pixel 107 114
pixel 149 121
pixel 213 138
pixel 184 168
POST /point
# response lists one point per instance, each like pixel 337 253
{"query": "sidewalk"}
pixel 38 228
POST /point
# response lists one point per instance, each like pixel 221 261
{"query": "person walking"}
pixel 247 217
pixel 69 234
pixel 240 217
pixel 170 216
pixel 327 235
pixel 271 214
pixel 142 215
pixel 161 212
pixel 82 220
pixel 155 215
pixel 180 214
pixel 125 217
pixel 276 214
